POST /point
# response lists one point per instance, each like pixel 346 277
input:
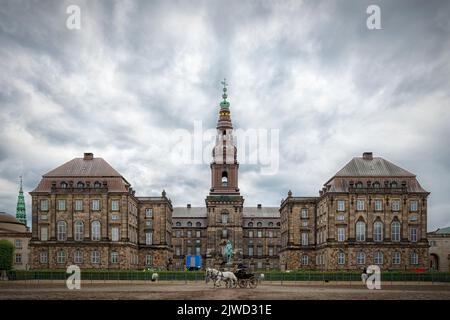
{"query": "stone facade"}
pixel 370 212
pixel 440 249
pixel 14 231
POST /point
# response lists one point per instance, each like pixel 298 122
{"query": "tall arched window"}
pixel 341 258
pixel 79 230
pixel 62 230
pixel 378 258
pixel 378 231
pixel 95 230
pixel 224 178
pixel 395 231
pixel 78 256
pixel 361 258
pixel 360 231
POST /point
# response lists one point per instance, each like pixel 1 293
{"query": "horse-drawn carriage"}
pixel 232 279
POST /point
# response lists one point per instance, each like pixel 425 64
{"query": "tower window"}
pixel 224 179
pixel 224 132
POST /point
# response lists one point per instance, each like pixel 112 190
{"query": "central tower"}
pixel 224 203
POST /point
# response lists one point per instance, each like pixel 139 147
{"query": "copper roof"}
pixel 9 223
pixel 374 167
pixel 80 167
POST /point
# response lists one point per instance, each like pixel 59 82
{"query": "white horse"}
pixel 221 276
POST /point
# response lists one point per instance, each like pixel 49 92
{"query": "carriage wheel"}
pixel 242 283
pixel 253 282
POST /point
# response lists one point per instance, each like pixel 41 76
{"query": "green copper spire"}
pixel 21 214
pixel 224 104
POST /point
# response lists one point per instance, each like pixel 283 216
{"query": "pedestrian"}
pixel 364 275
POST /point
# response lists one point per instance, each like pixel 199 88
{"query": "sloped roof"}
pixel 180 212
pixel 8 224
pixel 80 167
pixel 443 231
pixel 374 167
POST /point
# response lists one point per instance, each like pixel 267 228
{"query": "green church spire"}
pixel 21 214
pixel 224 104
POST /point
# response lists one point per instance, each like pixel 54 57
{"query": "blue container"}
pixel 193 262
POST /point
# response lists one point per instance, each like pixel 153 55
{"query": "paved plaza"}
pixel 200 290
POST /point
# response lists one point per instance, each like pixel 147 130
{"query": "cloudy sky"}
pixel 137 71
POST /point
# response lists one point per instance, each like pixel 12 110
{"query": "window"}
pixel 270 234
pixel 224 218
pixel 360 205
pixel 62 230
pixel 270 224
pixel 413 205
pixel 270 251
pixel 305 260
pixel 224 233
pixel 359 185
pixel 250 224
pixel 378 258
pixel 115 205
pixel 63 185
pixel 304 213
pixel 259 265
pixel 198 224
pixel 341 258
pixel 378 231
pixel 44 205
pixel 189 234
pixel 43 257
pixel 378 205
pixel 414 258
pixel 78 256
pixel 250 233
pixel 149 213
pixel 115 217
pixel 304 238
pixel 18 259
pixel 395 231
pixel 341 205
pixel 413 218
pixel 178 224
pixel 80 185
pixel 95 257
pixel 148 260
pixel 340 217
pixel 224 179
pixel 198 234
pixel 396 257
pixel 96 205
pixel 79 230
pixel 360 231
pixel 97 185
pixel 189 224
pixel 395 206
pixel 361 258
pixel 44 233
pixel 394 184
pixel 61 256
pixel 44 217
pixel 259 224
pixel 178 251
pixel 18 244
pixel 78 205
pixel 149 238
pixel 259 233
pixel 413 234
pixel 95 230
pixel 197 251
pixel 260 251
pixel 250 251
pixel 61 204
pixel 341 234
pixel 114 257
pixel 115 234
pixel 376 185
pixel 189 250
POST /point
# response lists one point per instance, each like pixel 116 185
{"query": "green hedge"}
pixel 200 275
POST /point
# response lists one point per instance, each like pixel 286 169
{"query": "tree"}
pixel 6 256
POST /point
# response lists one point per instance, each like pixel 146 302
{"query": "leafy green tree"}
pixel 6 255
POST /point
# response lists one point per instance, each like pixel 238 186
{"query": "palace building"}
pixel 84 212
